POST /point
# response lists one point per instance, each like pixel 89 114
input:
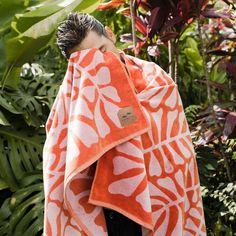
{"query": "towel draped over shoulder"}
pixel 117 137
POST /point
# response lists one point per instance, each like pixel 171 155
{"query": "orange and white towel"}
pixel 119 139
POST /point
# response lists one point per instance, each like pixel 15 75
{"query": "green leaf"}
pixel 194 58
pixel 218 75
pixel 3 119
pixel 22 213
pixel 6 102
pixel 8 9
pixel 20 209
pixel 23 47
pixel 191 43
pixel 31 107
pixel 21 152
pixel 5 210
pixel 3 184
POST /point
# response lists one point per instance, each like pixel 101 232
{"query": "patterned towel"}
pixel 117 137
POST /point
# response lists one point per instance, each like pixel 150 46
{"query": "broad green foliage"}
pixel 33 31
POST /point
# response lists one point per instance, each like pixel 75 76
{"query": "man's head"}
pixel 82 31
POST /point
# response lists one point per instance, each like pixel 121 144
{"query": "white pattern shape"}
pixel 85 133
pixel 71 231
pixel 53 213
pixel 186 153
pixel 172 99
pixel 157 116
pixel 89 92
pixel 112 112
pixel 111 93
pixel 167 164
pixel 126 186
pixel 122 164
pixel 195 213
pixel 156 192
pixel 180 178
pixel 72 149
pixel 97 59
pixel 83 109
pixel 102 126
pixel 63 143
pixel 181 121
pixel 156 100
pixel 129 149
pixel 176 157
pixel 164 224
pixel 169 184
pixel 171 118
pixel 179 224
pixel 144 200
pixel 103 76
pixel 154 165
pixel 57 192
pixel 190 225
pixel 145 95
pixel 64 220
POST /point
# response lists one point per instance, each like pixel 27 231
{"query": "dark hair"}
pixel 72 31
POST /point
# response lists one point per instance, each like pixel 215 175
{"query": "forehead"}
pixel 92 39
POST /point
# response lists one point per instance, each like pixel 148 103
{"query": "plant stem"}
pixel 176 60
pixel 203 54
pixel 171 59
pixel 132 12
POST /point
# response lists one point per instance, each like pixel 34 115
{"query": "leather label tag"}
pixel 126 116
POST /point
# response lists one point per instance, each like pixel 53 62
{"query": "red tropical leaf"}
pixel 139 45
pixel 139 23
pixel 124 11
pixel 111 4
pixel 231 68
pixel 217 51
pixel 169 35
pixel 141 26
pixel 212 13
pixel 126 38
pixel 157 19
pixel 230 124
pixel 172 22
pixel 218 86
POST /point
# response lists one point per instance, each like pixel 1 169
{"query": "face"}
pixel 94 40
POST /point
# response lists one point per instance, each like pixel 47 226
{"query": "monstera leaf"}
pixel 20 153
pixel 22 213
pixel 21 172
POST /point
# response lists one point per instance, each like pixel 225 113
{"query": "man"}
pixel 82 31
pixel 145 181
pixel 79 32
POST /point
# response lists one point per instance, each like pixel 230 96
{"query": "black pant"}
pixel 119 225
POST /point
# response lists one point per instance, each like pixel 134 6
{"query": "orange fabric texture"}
pixel 119 139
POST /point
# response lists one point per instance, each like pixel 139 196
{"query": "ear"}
pixel 110 34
